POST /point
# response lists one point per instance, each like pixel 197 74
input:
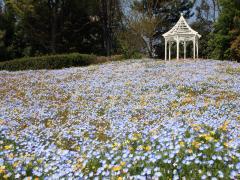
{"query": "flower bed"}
pixel 137 119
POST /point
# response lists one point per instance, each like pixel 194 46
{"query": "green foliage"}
pixel 235 49
pixel 49 62
pixel 130 44
pixel 7 28
pixel 205 17
pixel 231 70
pixel 225 41
pixel 34 28
pixel 220 46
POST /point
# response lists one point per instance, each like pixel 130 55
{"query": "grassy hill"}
pixel 132 119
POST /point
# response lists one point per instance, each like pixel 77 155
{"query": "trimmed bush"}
pixel 49 62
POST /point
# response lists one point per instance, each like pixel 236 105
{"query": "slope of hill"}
pixel 134 119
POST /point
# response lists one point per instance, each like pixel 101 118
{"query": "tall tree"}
pixel 225 37
pixel 7 31
pixel 57 26
pixel 110 16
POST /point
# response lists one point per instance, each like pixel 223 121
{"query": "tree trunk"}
pixel 151 47
pixel 53 9
pixel 107 13
pixel 148 43
pixel 214 10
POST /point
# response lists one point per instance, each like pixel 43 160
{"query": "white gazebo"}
pixel 181 33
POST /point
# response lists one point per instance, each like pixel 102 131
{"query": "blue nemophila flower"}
pixel 204 177
pixel 124 116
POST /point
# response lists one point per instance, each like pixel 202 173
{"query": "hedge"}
pixel 49 62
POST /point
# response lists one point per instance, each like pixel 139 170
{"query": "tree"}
pixel 110 16
pixel 57 26
pixel 154 17
pixel 205 17
pixel 7 30
pixel 225 37
pixel 144 22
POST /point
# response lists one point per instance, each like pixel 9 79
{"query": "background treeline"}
pixel 108 27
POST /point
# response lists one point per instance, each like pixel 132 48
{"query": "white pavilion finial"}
pixel 181 14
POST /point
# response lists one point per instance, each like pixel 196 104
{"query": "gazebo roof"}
pixel 181 28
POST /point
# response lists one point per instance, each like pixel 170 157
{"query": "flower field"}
pixel 137 119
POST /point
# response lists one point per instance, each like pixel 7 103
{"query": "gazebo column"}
pixel 197 49
pixel 165 50
pixel 177 48
pixel 184 49
pixel 194 48
pixel 169 50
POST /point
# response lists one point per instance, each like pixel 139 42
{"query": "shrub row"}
pixel 50 62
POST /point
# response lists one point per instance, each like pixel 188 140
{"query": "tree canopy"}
pixel 106 27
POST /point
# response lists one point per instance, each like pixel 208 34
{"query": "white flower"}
pixel 209 174
pixel 17 176
pixel 91 174
pixel 220 174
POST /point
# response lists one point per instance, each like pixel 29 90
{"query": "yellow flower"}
pixel 8 147
pixel 142 101
pixel 10 156
pixel 2 169
pixel 125 142
pixel 130 148
pixel 119 178
pixel 128 83
pixel 207 137
pixel 6 176
pixel 15 164
pixel 116 144
pixel 190 151
pixel 78 148
pixel 238 118
pixel 226 144
pixel 148 148
pixel 136 136
pixel 182 144
pixel 224 126
pixel 1 121
pixel 116 168
pixel 178 113
pixel 196 127
pixel 174 104
pixel 123 163
pixel 212 132
pixel 39 161
pixel 107 166
pixel 196 144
